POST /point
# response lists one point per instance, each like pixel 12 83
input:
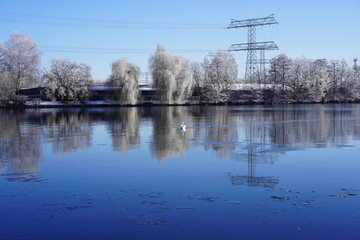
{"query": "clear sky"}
pixel 100 32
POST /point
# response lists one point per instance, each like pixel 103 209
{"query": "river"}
pixel 236 172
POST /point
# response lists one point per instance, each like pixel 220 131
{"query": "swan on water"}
pixel 183 127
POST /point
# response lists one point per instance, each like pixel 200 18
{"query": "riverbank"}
pixel 77 104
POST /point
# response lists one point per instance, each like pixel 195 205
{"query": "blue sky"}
pixel 312 29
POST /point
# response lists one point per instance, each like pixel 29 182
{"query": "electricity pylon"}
pixel 252 46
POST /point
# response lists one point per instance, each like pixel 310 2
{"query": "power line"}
pixel 101 23
pixel 76 49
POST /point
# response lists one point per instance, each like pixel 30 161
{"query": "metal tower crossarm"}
pixel 252 22
pixel 270 45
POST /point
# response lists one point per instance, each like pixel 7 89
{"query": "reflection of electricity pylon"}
pixel 251 179
pixel 254 134
pixel 251 167
pixel 252 46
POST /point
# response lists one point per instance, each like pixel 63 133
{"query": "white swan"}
pixel 183 127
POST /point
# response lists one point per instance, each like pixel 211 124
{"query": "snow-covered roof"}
pixel 106 88
pixel 146 89
pixel 102 88
pixel 248 86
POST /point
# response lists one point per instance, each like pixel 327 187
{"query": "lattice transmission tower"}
pixel 252 46
pixel 355 65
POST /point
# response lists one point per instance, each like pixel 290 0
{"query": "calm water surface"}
pixel 237 172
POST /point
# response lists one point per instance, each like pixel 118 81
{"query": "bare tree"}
pixel 2 57
pixel 220 74
pixel 278 73
pixel 125 75
pixel 197 72
pixel 318 82
pixel 336 71
pixel 171 76
pixel 21 60
pixel 6 86
pixel 348 87
pixel 298 80
pixel 67 80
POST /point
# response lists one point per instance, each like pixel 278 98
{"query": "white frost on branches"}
pixel 6 86
pixel 221 73
pixel 125 75
pixel 67 80
pixel 171 76
pixel 20 58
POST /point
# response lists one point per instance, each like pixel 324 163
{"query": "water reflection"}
pixel 252 134
pixel 314 126
pixel 20 146
pixel 222 134
pixel 69 130
pixel 255 152
pixel 123 126
pixel 168 140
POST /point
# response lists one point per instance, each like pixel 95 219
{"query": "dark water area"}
pixel 237 172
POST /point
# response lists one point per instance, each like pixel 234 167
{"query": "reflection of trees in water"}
pixel 168 140
pixel 271 130
pixel 69 130
pixel 222 130
pixel 314 126
pixel 20 143
pixel 123 125
pixel 267 130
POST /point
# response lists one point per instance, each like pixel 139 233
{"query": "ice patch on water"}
pixel 257 145
pixel 221 143
pixel 342 146
pixel 279 150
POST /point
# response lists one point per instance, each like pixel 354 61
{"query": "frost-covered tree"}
pixel 318 82
pixel 2 55
pixel 356 80
pixel 307 80
pixel 125 75
pixel 67 80
pixel 21 60
pixel 347 86
pixel 337 71
pixel 6 87
pixel 220 75
pixel 197 72
pixel 298 80
pixel 279 73
pixel 171 76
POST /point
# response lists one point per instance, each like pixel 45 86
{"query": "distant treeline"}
pixel 177 80
pixel 305 80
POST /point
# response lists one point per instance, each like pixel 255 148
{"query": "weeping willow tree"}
pixel 171 76
pixel 125 75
